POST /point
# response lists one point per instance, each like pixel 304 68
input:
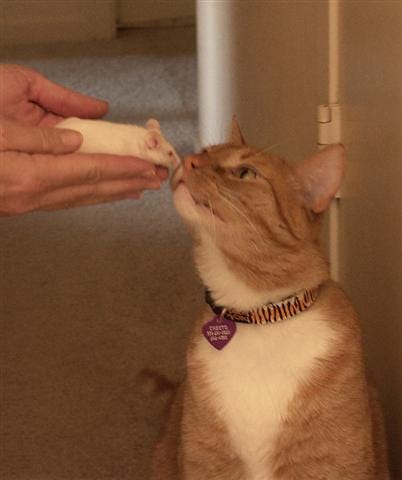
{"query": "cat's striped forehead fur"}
pixel 240 182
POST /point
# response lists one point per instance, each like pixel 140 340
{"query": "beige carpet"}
pixel 91 296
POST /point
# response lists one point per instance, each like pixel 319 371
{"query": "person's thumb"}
pixel 37 139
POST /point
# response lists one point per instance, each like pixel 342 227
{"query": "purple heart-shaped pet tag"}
pixel 219 331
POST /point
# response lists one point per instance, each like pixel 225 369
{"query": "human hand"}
pixel 28 97
pixel 38 170
pixel 51 181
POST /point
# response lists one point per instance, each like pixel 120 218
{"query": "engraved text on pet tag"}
pixel 219 331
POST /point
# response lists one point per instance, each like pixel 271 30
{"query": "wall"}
pixel 371 210
pixel 45 21
pixel 146 12
pixel 266 62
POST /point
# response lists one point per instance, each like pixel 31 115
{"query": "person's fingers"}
pixel 37 139
pixel 63 101
pixel 162 173
pixel 134 196
pixel 59 171
pixel 79 195
pixel 50 119
pixel 45 181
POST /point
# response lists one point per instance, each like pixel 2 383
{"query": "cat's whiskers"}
pixel 228 197
pixel 213 217
pixel 229 194
pixel 232 206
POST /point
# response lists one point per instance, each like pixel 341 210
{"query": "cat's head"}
pixel 260 213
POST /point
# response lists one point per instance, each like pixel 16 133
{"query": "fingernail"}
pixel 154 185
pixel 150 174
pixel 135 196
pixel 71 138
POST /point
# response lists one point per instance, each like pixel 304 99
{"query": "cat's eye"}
pixel 245 173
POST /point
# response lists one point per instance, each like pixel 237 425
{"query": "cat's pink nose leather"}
pixel 191 161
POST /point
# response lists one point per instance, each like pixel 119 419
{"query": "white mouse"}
pixel 122 139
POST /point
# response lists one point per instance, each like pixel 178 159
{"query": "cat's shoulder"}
pixel 337 308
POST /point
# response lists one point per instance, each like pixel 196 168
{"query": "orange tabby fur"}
pixel 264 231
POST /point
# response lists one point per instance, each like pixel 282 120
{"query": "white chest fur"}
pixel 255 377
pixel 257 374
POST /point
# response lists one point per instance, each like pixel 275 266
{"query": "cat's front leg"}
pixel 202 464
pixel 205 451
pixel 164 464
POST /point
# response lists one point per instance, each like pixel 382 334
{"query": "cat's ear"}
pixel 153 124
pixel 321 175
pixel 236 136
pixel 153 140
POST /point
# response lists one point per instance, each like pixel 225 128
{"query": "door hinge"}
pixel 329 132
pixel 329 124
pixel 329 127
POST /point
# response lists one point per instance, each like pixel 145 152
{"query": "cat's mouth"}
pixel 177 177
pixel 180 188
pixel 207 205
pixel 203 205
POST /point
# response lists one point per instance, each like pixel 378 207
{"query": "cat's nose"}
pixel 191 162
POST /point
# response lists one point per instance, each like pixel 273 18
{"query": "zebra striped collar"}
pixel 269 313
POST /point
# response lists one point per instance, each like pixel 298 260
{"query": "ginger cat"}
pixel 281 392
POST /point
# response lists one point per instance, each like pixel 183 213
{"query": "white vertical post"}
pixel 333 99
pixel 333 54
pixel 215 69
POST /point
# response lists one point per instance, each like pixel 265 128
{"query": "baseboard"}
pixel 163 22
pixel 24 22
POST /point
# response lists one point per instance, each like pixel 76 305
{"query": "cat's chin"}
pixel 190 209
pixel 182 197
